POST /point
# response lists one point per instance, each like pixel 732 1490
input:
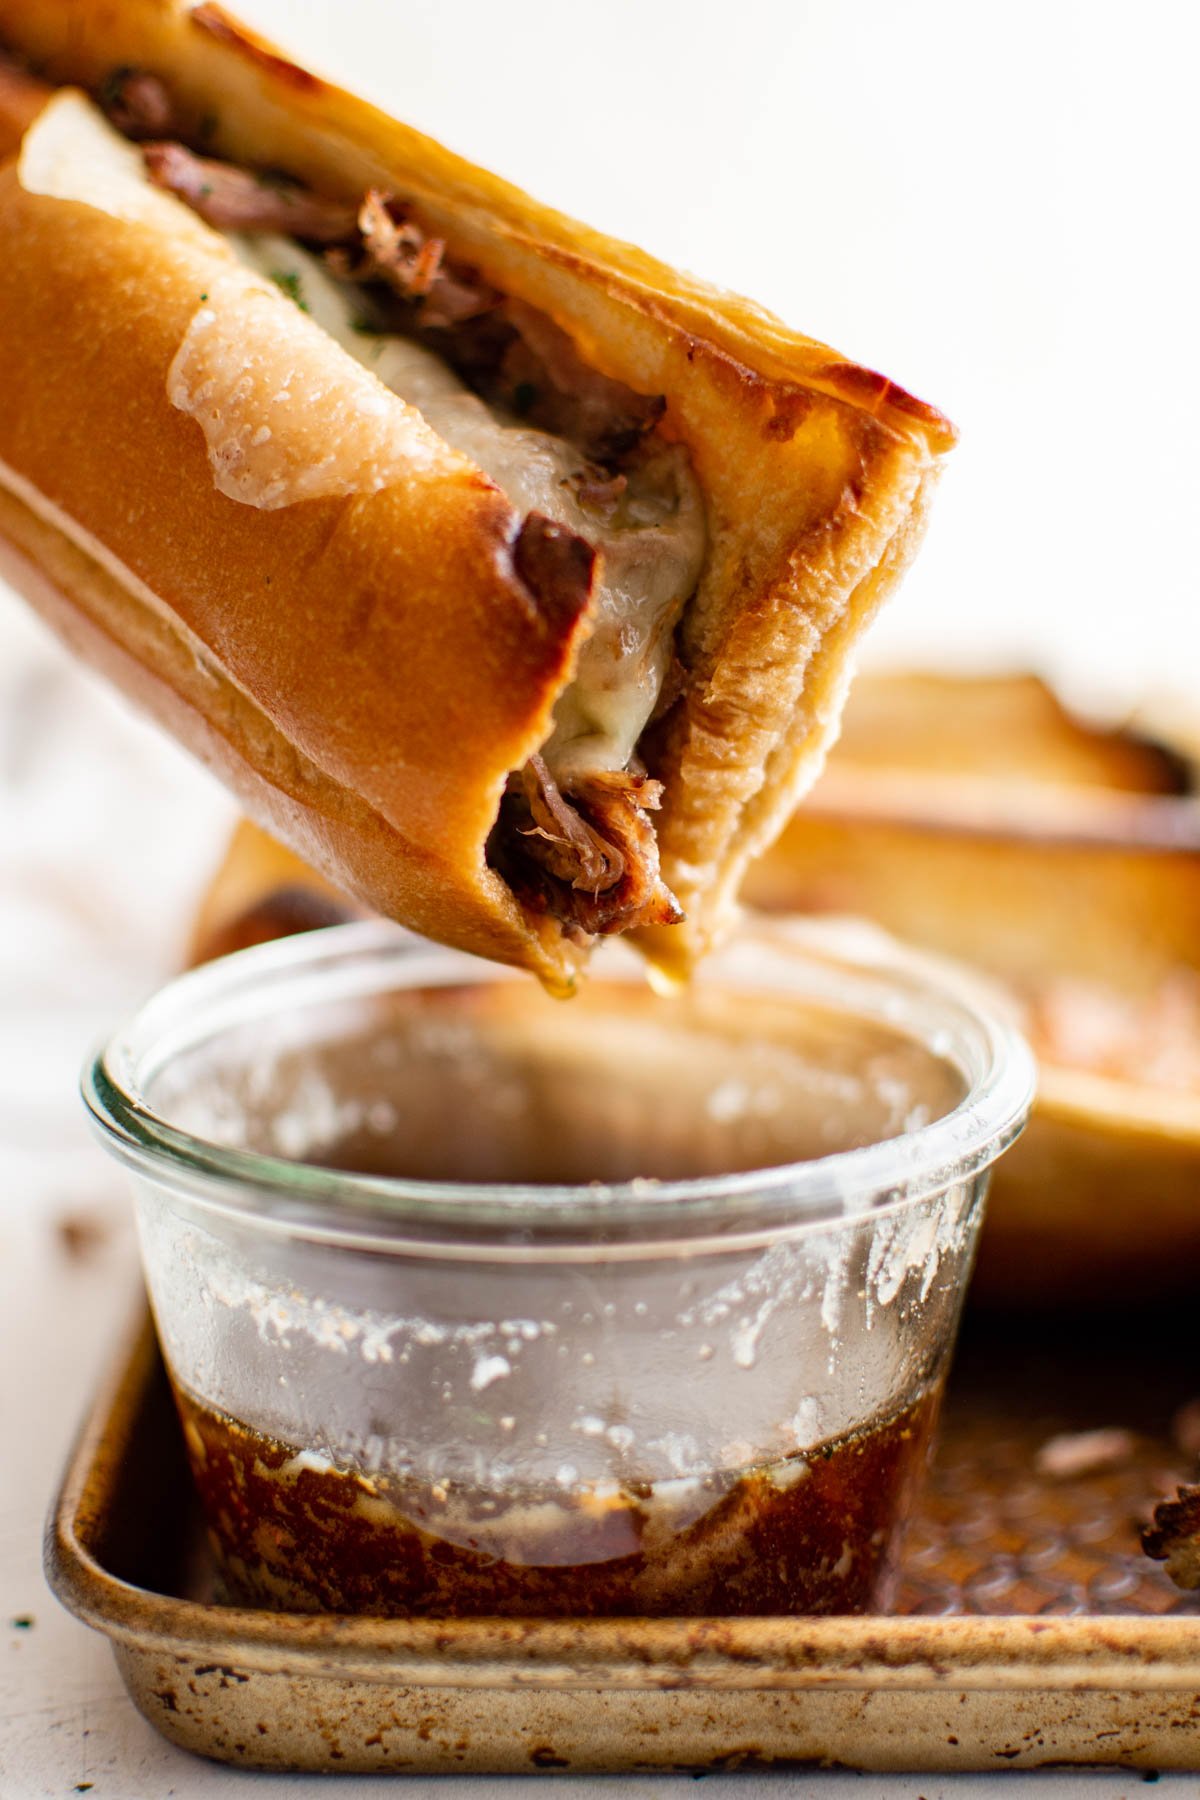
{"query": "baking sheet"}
pixel 1035 1633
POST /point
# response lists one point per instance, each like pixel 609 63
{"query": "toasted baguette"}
pixel 981 819
pixel 365 668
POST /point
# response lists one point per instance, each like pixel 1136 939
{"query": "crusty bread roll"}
pixel 338 611
pixel 260 891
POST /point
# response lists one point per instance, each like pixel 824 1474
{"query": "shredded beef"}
pixel 534 369
pixel 413 265
pixel 604 416
pixel 512 354
pixel 399 249
pixel 570 849
pixel 138 104
pixel 617 804
pixel 588 857
pixel 597 491
pixel 233 199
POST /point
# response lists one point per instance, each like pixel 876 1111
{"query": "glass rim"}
pixel 936 1003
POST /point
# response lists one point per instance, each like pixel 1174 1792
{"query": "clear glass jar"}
pixel 479 1302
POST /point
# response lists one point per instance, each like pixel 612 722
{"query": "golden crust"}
pixel 1011 729
pixel 816 476
pixel 978 817
pixel 331 827
pixel 284 631
pixel 260 891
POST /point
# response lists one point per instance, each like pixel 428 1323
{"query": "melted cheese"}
pixel 651 545
pixel 274 440
pixel 271 446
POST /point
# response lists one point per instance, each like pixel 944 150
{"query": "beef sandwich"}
pixel 505 573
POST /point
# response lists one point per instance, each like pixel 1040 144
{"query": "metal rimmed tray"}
pixel 1035 1633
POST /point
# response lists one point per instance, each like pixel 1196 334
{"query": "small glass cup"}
pixel 476 1302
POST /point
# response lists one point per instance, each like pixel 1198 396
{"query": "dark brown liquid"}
pixel 812 1534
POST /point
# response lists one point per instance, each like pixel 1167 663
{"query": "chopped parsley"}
pixel 113 85
pixel 289 282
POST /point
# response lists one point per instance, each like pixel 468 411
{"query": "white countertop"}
pixel 994 207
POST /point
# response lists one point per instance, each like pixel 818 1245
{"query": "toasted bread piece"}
pixel 979 818
pixel 262 891
pixel 1009 729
